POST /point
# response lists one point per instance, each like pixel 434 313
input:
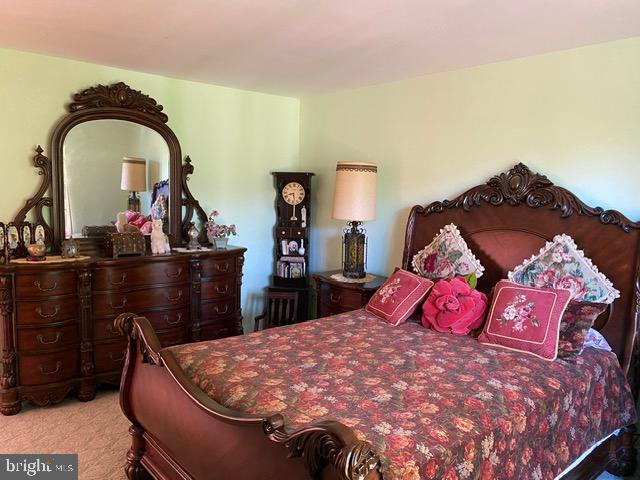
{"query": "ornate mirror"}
pixel 113 152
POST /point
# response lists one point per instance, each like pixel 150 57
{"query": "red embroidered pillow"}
pixel 525 319
pixel 399 296
pixel 576 322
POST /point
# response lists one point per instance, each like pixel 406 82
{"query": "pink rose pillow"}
pixel 525 319
pixel 399 296
pixel 454 307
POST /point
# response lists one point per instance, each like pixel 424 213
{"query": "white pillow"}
pixel 594 339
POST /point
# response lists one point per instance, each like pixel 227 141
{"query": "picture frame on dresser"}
pixel 56 316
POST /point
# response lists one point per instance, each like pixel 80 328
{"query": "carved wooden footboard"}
pixel 178 432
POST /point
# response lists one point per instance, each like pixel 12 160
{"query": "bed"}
pixel 380 415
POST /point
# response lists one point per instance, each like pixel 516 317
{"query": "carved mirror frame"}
pixel 117 101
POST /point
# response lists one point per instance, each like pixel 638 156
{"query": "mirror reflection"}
pixel 116 176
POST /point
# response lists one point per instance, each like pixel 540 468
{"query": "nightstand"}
pixel 337 297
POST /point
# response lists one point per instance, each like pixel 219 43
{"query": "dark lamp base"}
pixel 354 244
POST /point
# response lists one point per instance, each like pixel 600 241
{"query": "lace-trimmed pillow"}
pixel 560 264
pixel 446 256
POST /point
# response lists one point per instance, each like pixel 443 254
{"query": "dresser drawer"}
pixel 151 274
pixel 174 337
pixel 103 329
pixel 224 329
pixel 30 339
pixel 216 267
pixel 218 309
pixel 109 356
pixel 48 368
pixel 140 300
pixel 45 284
pixel 291 233
pixel 168 319
pixel 46 311
pixel 214 289
pixel 326 310
pixel 342 298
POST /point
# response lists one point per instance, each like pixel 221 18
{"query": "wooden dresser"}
pixel 57 332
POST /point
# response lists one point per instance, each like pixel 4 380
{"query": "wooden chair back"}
pixel 279 309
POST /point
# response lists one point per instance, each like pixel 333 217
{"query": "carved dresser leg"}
pixel 133 468
pixel 622 456
pixel 10 403
pixel 87 391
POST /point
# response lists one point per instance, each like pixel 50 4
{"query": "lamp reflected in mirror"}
pixel 134 180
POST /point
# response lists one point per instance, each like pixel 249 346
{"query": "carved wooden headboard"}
pixel 511 217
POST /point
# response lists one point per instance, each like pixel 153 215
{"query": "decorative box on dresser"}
pixel 57 319
pixel 334 296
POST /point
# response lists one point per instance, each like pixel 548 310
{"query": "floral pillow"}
pixel 525 319
pixel 454 307
pixel 561 265
pixel 398 297
pixel 446 256
pixel 595 339
pixel 576 322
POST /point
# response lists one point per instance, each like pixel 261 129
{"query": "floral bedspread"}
pixel 435 406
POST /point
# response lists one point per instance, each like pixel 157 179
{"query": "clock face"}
pixel 293 193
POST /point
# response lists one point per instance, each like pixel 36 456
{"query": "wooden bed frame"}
pixel 178 432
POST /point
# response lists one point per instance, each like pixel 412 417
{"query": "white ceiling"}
pixel 294 47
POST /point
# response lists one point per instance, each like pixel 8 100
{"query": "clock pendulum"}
pixel 293 194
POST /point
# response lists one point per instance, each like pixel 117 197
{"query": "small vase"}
pixel 220 243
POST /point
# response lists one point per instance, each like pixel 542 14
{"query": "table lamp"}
pixel 354 200
pixel 134 179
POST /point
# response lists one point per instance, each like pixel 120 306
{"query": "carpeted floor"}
pixel 96 430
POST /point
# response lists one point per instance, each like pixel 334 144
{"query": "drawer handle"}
pixel 39 286
pixel 222 290
pixel 222 268
pixel 56 311
pixel 51 372
pixel 118 307
pixel 226 309
pixel 45 341
pixel 175 299
pixel 167 319
pixel 176 274
pixel 334 299
pixel 123 277
pixel 117 359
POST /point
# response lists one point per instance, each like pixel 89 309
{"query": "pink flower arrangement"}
pixel 454 307
pixel 217 230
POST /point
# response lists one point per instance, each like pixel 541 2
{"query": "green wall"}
pixel 234 137
pixel 572 115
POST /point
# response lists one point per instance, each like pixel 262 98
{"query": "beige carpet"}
pixel 96 430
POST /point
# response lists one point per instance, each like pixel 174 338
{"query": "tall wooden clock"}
pixel 293 225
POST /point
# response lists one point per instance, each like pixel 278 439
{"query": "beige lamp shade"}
pixel 354 198
pixel 134 174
